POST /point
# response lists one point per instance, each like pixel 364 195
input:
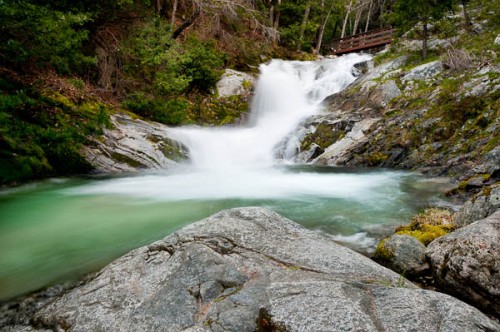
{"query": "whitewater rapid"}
pixel 240 162
pixel 286 93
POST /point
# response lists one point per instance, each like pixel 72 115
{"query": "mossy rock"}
pixel 403 254
pixel 428 225
pixel 324 136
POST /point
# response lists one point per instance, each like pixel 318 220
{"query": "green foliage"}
pixel 406 13
pixel 154 57
pixel 292 15
pixel 36 35
pixel 41 134
pixel 167 111
pixel 202 64
pixel 218 111
pixel 167 70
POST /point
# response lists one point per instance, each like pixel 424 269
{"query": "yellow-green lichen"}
pixel 428 225
pixel 383 253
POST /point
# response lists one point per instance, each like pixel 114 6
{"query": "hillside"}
pixel 440 116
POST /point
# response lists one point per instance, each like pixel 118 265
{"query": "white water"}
pixel 240 163
pixel 286 93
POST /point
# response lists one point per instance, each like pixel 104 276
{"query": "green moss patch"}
pixel 382 253
pixel 324 136
pixel 428 225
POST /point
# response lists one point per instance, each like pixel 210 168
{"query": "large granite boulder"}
pixel 249 269
pixel 234 83
pixel 467 262
pixel 425 71
pixel 478 207
pixel 132 145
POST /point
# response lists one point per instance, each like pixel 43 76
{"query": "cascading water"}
pixel 286 93
pixel 239 162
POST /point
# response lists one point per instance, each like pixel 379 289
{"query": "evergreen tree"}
pixel 407 13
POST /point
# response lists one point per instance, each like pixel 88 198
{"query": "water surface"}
pixel 60 229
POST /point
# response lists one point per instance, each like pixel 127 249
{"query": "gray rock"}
pixel 477 28
pixel 364 67
pixel 425 71
pixel 492 161
pixel 467 262
pixel 403 254
pixel 341 151
pixel 132 145
pixel 250 268
pixel 478 207
pixel 234 83
pixel 378 71
pixel 384 93
pixel 497 40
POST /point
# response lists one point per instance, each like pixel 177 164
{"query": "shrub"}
pixel 36 35
pixel 41 134
pixel 202 64
pixel 170 111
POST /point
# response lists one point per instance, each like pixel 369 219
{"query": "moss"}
pixel 171 150
pixel 375 158
pixel 428 225
pixel 382 253
pixel 324 136
pixel 126 160
pixel 218 111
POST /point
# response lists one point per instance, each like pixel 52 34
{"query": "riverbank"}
pixel 248 269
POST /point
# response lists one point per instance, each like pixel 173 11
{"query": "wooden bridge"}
pixel 362 41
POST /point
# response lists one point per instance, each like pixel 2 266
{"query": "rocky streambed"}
pixel 245 269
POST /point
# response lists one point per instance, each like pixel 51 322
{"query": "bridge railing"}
pixel 362 41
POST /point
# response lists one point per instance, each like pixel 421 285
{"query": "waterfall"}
pixel 239 162
pixel 286 93
pixel 237 166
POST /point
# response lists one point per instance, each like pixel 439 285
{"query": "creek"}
pixel 60 229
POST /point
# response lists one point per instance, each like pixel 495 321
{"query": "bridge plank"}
pixel 362 41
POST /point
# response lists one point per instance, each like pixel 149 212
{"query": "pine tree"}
pixel 407 13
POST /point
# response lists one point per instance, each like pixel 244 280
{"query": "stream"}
pixel 61 229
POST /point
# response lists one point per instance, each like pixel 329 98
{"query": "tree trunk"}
pixel 467 22
pixel 424 42
pixel 158 6
pixel 356 20
pixel 186 23
pixel 342 34
pixel 304 24
pixel 368 16
pixel 277 14
pixel 174 12
pixel 271 15
pixel 382 12
pixel 319 41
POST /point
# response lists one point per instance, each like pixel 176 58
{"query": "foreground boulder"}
pixel 467 262
pixel 249 269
